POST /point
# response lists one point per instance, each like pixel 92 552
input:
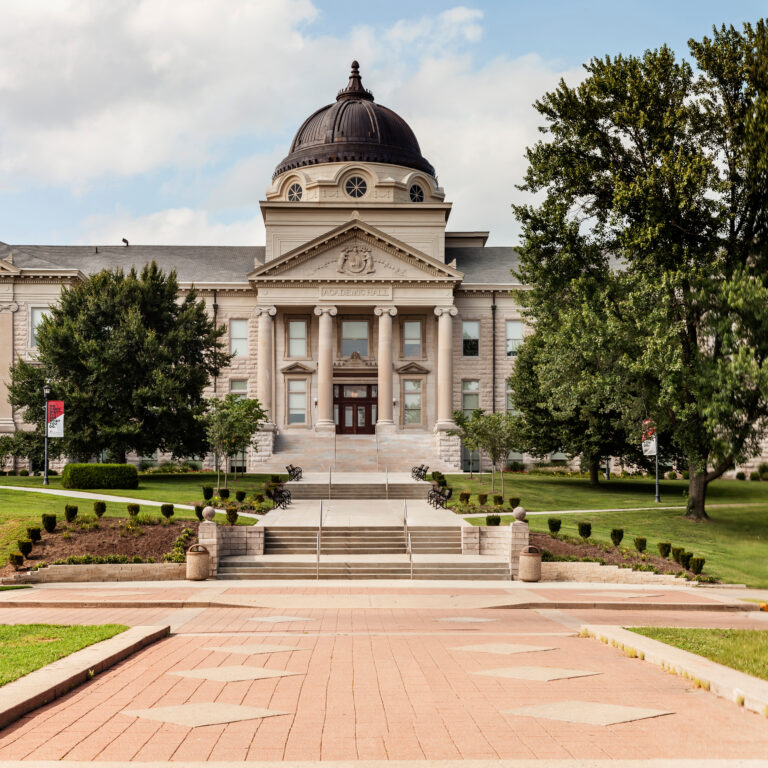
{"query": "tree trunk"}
pixel 697 493
pixel 502 481
pixel 594 473
pixel 493 477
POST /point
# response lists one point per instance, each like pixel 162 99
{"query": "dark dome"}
pixel 354 129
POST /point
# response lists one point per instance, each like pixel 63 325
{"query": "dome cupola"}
pixel 355 129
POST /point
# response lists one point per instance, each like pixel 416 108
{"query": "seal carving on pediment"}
pixel 355 260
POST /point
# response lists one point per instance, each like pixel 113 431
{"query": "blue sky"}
pixel 161 120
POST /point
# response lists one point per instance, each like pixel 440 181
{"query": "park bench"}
pixel 438 497
pixel 420 472
pixel 294 473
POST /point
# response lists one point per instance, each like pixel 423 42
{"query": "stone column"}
pixel 384 421
pixel 7 308
pixel 325 422
pixel 266 360
pixel 445 317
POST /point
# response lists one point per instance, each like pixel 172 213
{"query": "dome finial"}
pixel 354 89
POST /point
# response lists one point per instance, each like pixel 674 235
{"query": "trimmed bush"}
pixel 664 548
pixel 672 475
pixel 741 476
pixel 676 552
pixel 240 495
pixel 259 498
pixel 133 509
pixel 224 493
pixel 25 546
pixel 166 510
pixel 464 497
pixel 207 492
pixel 99 508
pixel 199 512
pixel 514 501
pixel 493 519
pixel 274 478
pixel 232 515
pixel 100 476
pixel 554 524
pixel 33 534
pixel 697 565
pixel 754 475
pixel 70 513
pixel 617 534
pixel 685 559
pixel 498 501
pixel 685 474
pixel 23 473
pixel 49 523
pixel 482 499
pixel 16 559
pixel 640 543
pixel 585 530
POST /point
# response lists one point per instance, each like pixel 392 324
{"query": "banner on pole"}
pixel 55 418
pixel 650 438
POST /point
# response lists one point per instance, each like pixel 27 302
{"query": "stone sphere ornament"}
pixel 209 513
pixel 518 513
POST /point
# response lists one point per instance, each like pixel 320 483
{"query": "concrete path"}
pixel 383 671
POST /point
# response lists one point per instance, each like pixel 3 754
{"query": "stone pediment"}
pixel 297 368
pixel 355 252
pixel 412 369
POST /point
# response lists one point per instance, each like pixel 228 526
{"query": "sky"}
pixel 162 121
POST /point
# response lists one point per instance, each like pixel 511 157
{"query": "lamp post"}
pixel 47 393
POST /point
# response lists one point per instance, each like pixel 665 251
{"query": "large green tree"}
pixel 130 359
pixel 653 186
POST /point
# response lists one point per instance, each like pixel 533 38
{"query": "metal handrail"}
pixel 376 435
pixel 329 482
pixel 405 519
pixel 319 540
pixel 410 554
pixel 386 481
pixel 317 566
pixel 334 449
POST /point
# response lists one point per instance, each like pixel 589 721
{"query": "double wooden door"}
pixel 355 408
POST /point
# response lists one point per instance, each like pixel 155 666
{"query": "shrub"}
pixel 207 492
pixel 762 467
pixel 664 548
pixel 685 559
pixel 133 509
pixel 741 476
pixel 546 556
pixel 33 534
pixel 442 481
pixel 25 546
pixel 232 515
pixel 640 543
pixel 464 497
pixel 436 475
pixel 199 512
pixel 685 474
pixel 482 499
pixel 23 473
pixel 764 475
pixel 49 523
pixel 224 493
pixel 240 495
pixel 16 559
pixel 617 534
pixel 697 565
pixel 498 500
pixel 70 513
pixel 493 519
pixel 672 475
pixel 676 552
pixel 514 501
pixel 166 510
pixel 585 530
pixel 754 475
pixel 259 498
pixel 554 524
pixel 100 476
pixel 99 508
pixel 516 466
pixel 274 478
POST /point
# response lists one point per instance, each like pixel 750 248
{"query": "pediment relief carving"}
pixel 297 368
pixel 411 368
pixel 354 361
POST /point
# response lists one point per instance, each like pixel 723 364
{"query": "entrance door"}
pixel 355 408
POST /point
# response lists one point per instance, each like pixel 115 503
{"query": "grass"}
pixel 733 541
pixel 27 647
pixel 742 649
pixel 14 586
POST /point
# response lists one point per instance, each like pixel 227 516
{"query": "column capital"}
pixel 271 311
pixel 451 310
pixel 326 310
pixel 8 306
pixel 379 311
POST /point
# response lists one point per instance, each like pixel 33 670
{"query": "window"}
pixel 297 401
pixel 238 337
pixel 510 405
pixel 470 396
pixel 294 193
pixel 238 387
pixel 354 337
pixel 470 336
pixel 356 186
pixel 412 338
pixel 412 401
pixel 297 338
pixel 514 336
pixel 36 317
pixel 416 193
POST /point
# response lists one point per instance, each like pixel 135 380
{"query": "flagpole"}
pixel 47 393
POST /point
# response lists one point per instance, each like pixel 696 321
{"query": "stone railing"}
pixel 225 540
pixel 505 541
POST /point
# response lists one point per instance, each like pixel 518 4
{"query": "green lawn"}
pixel 734 541
pixel 14 586
pixel 742 649
pixel 27 647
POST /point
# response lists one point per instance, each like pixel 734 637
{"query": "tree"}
pixel 467 431
pixel 230 426
pixel 6 449
pixel 130 360
pixel 654 185
pixel 497 434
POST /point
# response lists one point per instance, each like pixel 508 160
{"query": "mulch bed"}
pixel 110 538
pixel 612 557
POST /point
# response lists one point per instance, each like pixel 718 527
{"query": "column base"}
pixel 386 428
pixel 325 426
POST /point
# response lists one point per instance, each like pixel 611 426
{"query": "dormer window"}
pixel 294 193
pixel 416 193
pixel 356 186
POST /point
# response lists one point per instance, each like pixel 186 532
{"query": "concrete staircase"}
pixel 285 540
pixel 361 491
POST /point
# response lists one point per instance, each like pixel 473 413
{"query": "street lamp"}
pixel 47 393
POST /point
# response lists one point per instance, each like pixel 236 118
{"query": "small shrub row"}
pixel 493 519
pixel 102 560
pixel 179 552
pixel 70 513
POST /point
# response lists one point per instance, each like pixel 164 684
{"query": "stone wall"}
pixel 504 541
pixel 109 572
pixel 609 574
pixel 225 540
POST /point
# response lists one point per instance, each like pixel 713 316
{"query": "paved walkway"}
pixel 361 671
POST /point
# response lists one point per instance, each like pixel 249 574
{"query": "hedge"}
pixel 100 476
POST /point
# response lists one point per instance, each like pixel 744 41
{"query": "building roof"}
pixel 354 129
pixel 485 266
